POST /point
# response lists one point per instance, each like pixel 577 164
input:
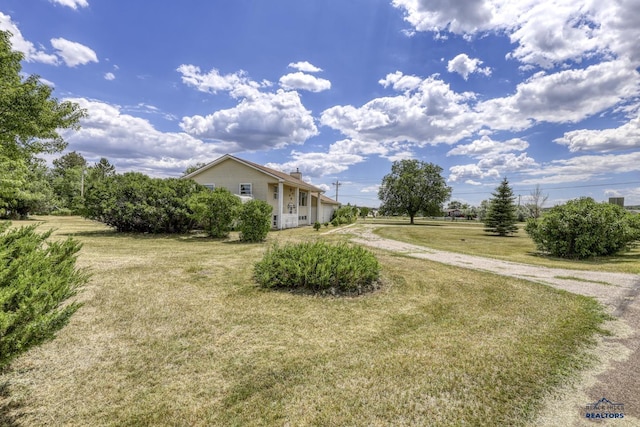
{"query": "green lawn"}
pixel 469 238
pixel 175 332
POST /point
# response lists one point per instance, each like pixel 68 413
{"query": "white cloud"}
pixel 470 172
pixel 400 82
pixel 584 168
pixel 546 33
pixel 73 53
pixel 338 158
pixel 370 189
pixel 493 166
pixel 304 81
pixel 319 164
pixel 464 66
pixel 495 159
pixel 456 16
pixel 305 66
pixel 485 146
pixel 18 43
pixel 624 137
pixel 430 113
pixel 109 76
pixel 73 4
pixel 132 143
pixel 213 81
pixel 565 96
pixel 260 120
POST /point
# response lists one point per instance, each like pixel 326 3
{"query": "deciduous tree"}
pixel 30 121
pixel 411 187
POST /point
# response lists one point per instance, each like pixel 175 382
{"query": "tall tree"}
pixel 501 216
pixel 30 120
pixel 411 187
pixel 68 180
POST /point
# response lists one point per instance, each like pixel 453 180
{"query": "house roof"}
pixel 327 200
pixel 280 176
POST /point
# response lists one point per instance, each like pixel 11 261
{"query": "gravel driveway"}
pixel 617 375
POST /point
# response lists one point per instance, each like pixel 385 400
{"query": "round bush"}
pixel 255 221
pixel 583 228
pixel 318 267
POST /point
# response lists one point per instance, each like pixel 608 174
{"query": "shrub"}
pixel 317 226
pixel 37 277
pixel 138 203
pixel 318 267
pixel 583 228
pixel 255 221
pixel 62 212
pixel 215 210
pixel 345 214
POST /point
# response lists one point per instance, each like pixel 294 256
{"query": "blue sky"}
pixel 542 92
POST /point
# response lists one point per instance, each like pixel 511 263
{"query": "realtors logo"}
pixel 604 409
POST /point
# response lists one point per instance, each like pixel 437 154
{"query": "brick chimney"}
pixel 297 174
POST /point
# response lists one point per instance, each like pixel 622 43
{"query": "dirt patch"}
pixel 616 376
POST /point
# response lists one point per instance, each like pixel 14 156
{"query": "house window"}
pixel 275 220
pixel 245 189
pixel 210 186
pixel 275 192
pixel 302 199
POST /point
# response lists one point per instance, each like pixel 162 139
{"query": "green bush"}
pixel 318 267
pixel 215 211
pixel 255 221
pixel 37 277
pixel 583 228
pixel 345 215
pixel 317 226
pixel 134 202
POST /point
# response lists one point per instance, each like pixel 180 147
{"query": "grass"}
pixel 470 238
pixel 174 332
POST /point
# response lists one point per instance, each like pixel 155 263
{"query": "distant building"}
pixel 617 201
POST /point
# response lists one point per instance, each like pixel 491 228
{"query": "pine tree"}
pixel 501 217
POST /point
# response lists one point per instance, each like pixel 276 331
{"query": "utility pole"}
pixel 337 184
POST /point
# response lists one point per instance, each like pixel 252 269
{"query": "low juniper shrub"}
pixel 318 267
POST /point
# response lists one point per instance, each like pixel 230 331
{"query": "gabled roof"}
pixel 280 176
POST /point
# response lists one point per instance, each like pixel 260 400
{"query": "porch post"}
pixel 297 201
pixel 309 200
pixel 280 196
pixel 319 209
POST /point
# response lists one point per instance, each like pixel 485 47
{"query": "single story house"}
pixel 295 202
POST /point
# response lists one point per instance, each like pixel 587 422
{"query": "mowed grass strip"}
pixel 469 238
pixel 175 332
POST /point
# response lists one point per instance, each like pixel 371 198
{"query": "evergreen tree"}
pixel 501 216
pixel 38 276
